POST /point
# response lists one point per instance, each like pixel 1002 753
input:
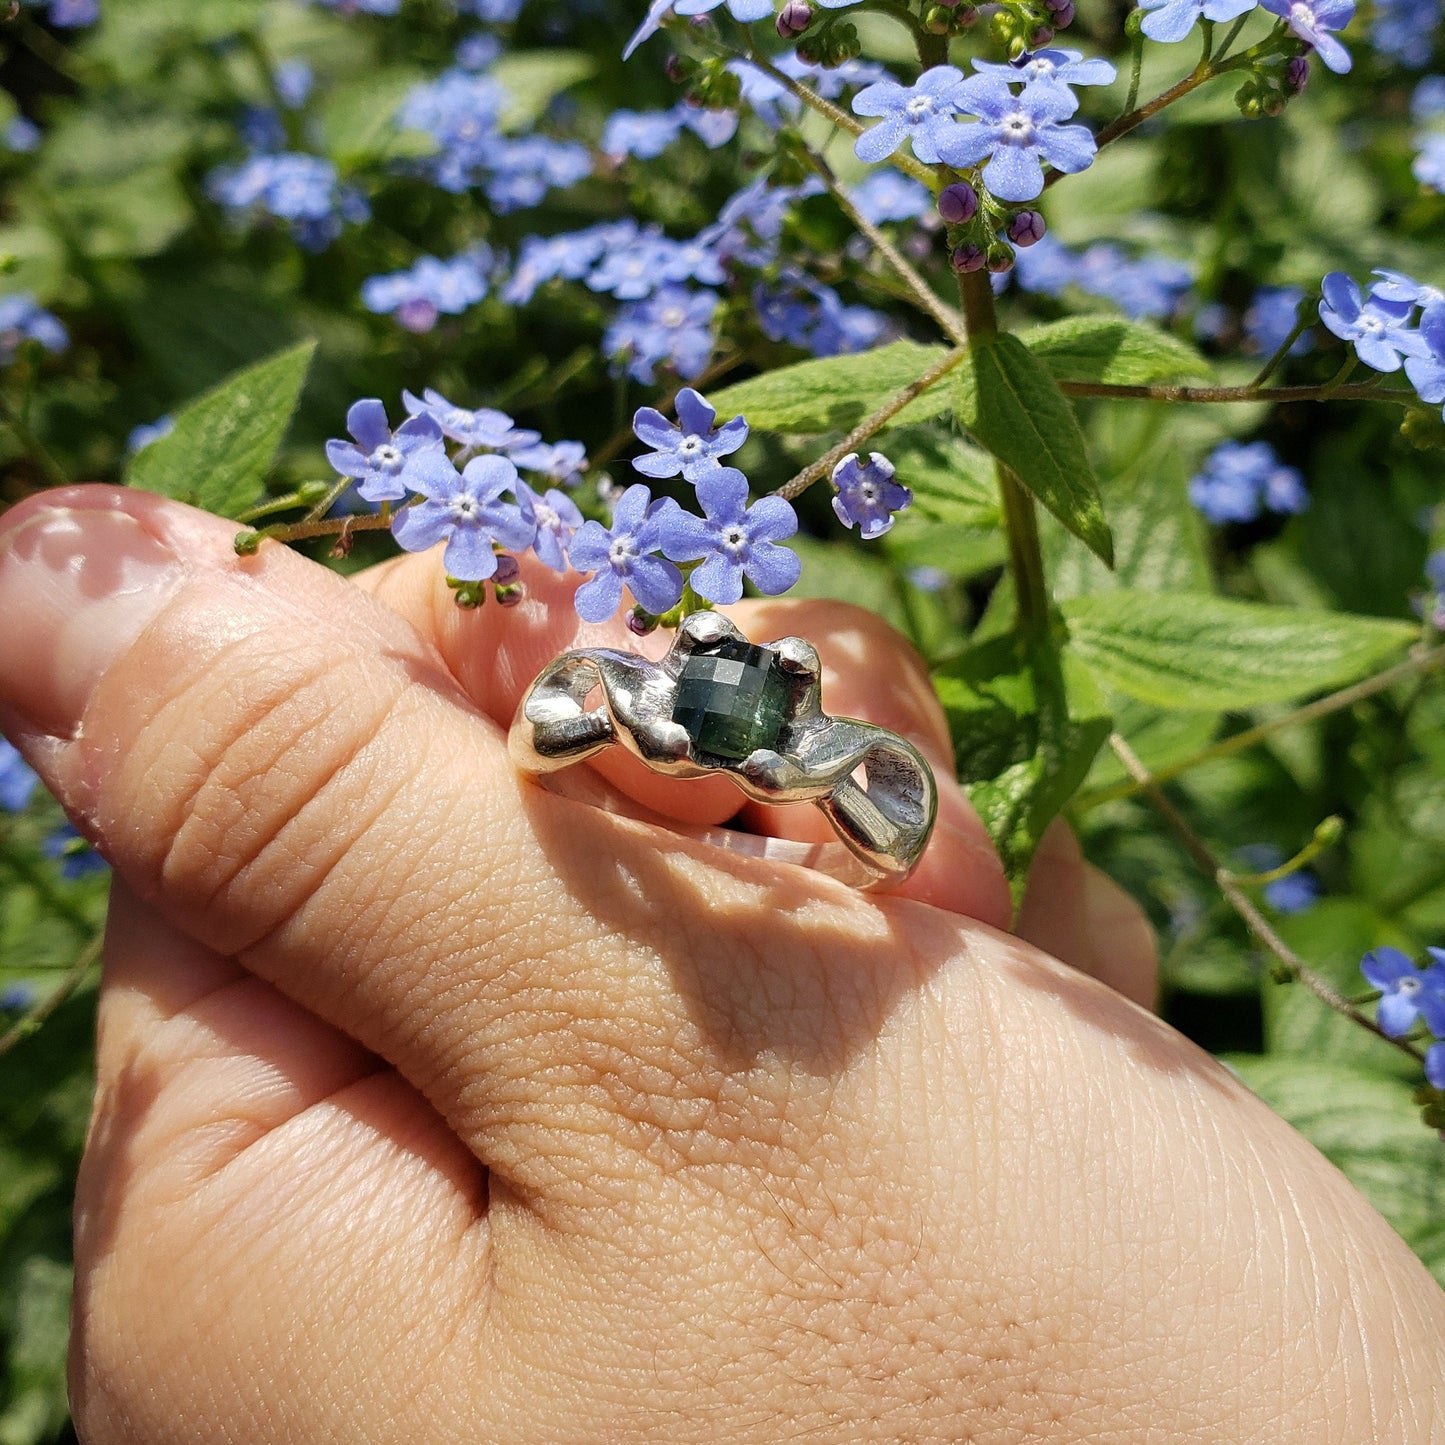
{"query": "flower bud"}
pixel 965 17
pixel 1063 13
pixel 794 18
pixel 937 20
pixel 1296 74
pixel 958 203
pixel 508 596
pixel 640 623
pixel 1026 227
pixel 1039 37
pixel 507 570
pixel 967 258
pixel 1000 259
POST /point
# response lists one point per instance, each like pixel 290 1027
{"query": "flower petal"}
pixel 772 569
pixel 366 421
pixel 656 584
pixel 718 579
pixel 469 555
pixel 422 526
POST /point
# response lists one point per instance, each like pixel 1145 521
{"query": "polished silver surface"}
pixel 884 823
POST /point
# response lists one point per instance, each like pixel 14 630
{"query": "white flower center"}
pixel 387 458
pixel 1408 986
pixel 672 317
pixel 868 492
pixel 690 445
pixel 1016 129
pixel 919 108
pixel 1301 15
pixel 459 420
pixel 621 554
pixel 547 519
pixel 735 541
pixel 465 510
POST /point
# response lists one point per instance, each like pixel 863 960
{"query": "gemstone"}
pixel 732 699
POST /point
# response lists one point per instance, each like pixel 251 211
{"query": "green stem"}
pixel 1291 968
pixel 1136 71
pixel 24 866
pixel 1419 665
pixel 265 63
pixel 871 424
pixel 1229 39
pixel 1303 321
pixel 1334 385
pixel 54 472
pixel 32 1019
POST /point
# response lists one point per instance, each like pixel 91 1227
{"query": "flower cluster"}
pixel 1149 288
pixel 302 191
pixel 1407 995
pixel 1013 133
pixel 22 320
pixel 1240 480
pixel 1398 322
pixel 1427 105
pixel 1311 21
pixel 417 296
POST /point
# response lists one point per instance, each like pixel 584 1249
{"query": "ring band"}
pixel 718 704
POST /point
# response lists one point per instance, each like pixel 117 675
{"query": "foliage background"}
pixel 109 225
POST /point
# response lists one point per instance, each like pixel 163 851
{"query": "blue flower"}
pixel 555 518
pixel 743 11
pixel 1047 268
pixel 1435 1066
pixel 386 465
pixel 1172 20
pixel 465 510
pixel 21 320
pixel 1428 99
pixel 459 111
pixel 302 190
pixel 1405 30
pixel 889 195
pixel 624 555
pixel 1312 21
pixel 17 997
pixel 417 296
pixel 1271 317
pixel 867 495
pixel 644 134
pixel 803 312
pixel 368 7
pixel 1062 67
pixel 560 461
pixel 1378 328
pixel 921 113
pixel 1296 892
pixel 1238 480
pixel 525 169
pixel 18 779
pixel 630 272
pixel 21 135
pixel 672 325
pixel 147 432
pixel 481 430
pixel 1408 993
pixel 733 539
pixel 76 857
pixel 72 14
pixel 692 446
pixel 1429 166
pixel 1017 133
pixel 1427 373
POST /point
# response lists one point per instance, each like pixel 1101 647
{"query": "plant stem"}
pixel 1361 391
pixel 33 1017
pixel 22 864
pixel 1136 71
pixel 870 424
pixel 1303 321
pixel 54 472
pixel 1292 968
pixel 1416 666
pixel 1334 385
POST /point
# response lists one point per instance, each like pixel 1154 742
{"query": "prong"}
pixel 797 657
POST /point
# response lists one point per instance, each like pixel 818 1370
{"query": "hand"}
pixel 436 1106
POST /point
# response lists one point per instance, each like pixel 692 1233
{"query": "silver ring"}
pixel 718 704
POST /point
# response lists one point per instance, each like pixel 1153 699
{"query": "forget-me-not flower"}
pixel 1062 67
pixel 1408 993
pixel 387 464
pixel 562 462
pixel 18 780
pixel 1017 133
pixel 22 320
pixel 465 510
pixel 921 113
pixel 1312 21
pixel 1169 21
pixel 733 539
pixel 867 494
pixel 692 445
pixel 481 430
pixel 418 295
pixel 624 555
pixel 1240 479
pixel 672 325
pixel 556 519
pixel 1379 329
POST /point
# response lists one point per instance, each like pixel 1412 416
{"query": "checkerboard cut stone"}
pixel 731 700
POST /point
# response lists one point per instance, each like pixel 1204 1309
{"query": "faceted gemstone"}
pixel 731 699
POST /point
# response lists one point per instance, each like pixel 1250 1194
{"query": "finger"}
pixel 1079 914
pixel 869 672
pixel 232 1133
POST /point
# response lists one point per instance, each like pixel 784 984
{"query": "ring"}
pixel 719 704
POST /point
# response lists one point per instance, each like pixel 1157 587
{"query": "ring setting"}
pixel 720 704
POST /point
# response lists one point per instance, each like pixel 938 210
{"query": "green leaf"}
pixel 1369 1128
pixel 1113 350
pixel 1025 728
pixel 1185 650
pixel 35 1395
pixel 1006 399
pixel 534 78
pixel 834 393
pixel 224 442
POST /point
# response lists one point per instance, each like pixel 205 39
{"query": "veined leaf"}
pixel 1112 350
pixel 1186 650
pixel 224 442
pixel 833 393
pixel 1368 1127
pixel 534 78
pixel 1006 399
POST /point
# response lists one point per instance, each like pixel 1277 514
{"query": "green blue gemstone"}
pixel 732 699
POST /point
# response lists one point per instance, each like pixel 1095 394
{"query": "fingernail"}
pixel 77 587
